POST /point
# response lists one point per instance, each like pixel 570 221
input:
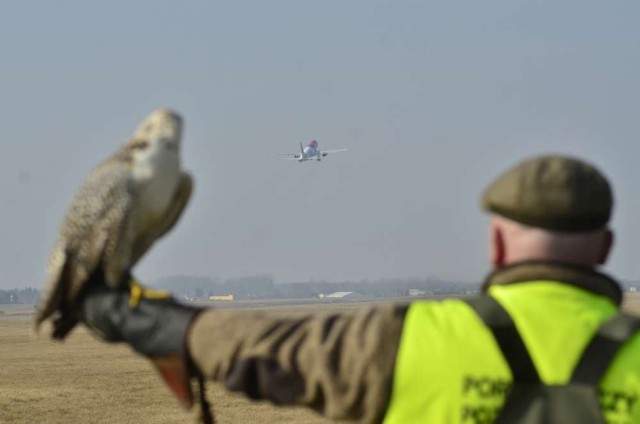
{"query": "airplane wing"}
pixel 328 152
pixel 288 154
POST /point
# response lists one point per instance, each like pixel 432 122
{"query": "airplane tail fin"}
pixel 301 149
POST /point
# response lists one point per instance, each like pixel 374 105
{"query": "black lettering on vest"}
pixel 631 401
pixel 617 401
pixel 485 386
pixel 479 414
pixel 467 384
pixel 502 387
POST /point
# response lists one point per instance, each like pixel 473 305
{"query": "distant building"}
pixel 343 295
pixel 222 297
pixel 338 295
pixel 417 292
pixel 633 289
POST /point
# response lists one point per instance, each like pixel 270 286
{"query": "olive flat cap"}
pixel 552 192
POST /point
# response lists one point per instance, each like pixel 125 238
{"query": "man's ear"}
pixel 607 244
pixel 496 248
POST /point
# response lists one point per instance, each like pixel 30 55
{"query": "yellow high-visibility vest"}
pixel 449 368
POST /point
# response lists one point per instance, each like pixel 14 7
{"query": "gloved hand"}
pixel 155 327
pixel 154 324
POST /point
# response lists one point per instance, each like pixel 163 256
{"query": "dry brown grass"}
pixel 86 381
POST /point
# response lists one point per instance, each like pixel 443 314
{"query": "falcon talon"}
pixel 135 294
pixel 138 291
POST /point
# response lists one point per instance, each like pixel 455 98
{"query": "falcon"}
pixel 124 205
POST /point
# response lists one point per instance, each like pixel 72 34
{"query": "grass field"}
pixel 85 381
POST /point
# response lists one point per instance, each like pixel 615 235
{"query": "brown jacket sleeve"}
pixel 338 364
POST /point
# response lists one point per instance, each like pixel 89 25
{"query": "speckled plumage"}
pixel 123 206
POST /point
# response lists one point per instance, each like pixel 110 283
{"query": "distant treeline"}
pixel 264 287
pixel 26 296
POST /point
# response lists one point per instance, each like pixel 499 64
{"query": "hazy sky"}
pixel 433 99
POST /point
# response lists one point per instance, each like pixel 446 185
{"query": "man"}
pixel 428 362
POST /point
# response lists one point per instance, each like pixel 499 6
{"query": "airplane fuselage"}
pixel 311 152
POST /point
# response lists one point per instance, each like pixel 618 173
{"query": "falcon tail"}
pixel 53 299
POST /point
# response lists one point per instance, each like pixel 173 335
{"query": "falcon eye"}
pixel 139 144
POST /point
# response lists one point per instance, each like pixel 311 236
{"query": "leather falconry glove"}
pixel 154 324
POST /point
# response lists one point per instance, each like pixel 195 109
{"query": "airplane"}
pixel 311 152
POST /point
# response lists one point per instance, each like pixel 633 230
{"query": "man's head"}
pixel 550 208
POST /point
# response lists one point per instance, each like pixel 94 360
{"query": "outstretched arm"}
pixel 339 364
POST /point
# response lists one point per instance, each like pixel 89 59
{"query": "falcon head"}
pixel 162 129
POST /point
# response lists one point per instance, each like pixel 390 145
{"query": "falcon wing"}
pixel 96 224
pixel 180 201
